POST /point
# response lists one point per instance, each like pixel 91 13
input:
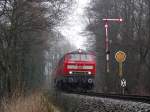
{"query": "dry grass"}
pixel 33 103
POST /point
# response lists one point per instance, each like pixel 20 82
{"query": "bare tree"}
pixel 24 28
pixel 132 37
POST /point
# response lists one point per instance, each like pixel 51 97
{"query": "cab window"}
pixel 80 57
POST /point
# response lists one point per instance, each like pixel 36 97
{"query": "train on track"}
pixel 76 70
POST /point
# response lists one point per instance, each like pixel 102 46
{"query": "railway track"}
pixel 135 98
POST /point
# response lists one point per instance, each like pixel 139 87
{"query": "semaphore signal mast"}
pixel 106 20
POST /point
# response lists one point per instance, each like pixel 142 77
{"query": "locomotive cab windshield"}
pixel 80 57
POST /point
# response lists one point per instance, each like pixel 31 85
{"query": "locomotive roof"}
pixel 81 52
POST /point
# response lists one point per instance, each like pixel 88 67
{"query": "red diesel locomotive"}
pixel 76 69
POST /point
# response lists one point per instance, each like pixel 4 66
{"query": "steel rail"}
pixel 134 98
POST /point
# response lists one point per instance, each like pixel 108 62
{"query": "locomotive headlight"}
pixel 72 67
pixel 89 73
pixel 70 72
pixel 87 67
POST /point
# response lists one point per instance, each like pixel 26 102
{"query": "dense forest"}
pixel 27 31
pixel 131 36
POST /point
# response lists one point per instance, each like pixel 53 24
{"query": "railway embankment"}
pixel 34 102
pixel 82 103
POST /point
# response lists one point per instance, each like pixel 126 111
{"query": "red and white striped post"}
pixel 107 40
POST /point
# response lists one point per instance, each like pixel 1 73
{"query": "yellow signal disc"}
pixel 120 56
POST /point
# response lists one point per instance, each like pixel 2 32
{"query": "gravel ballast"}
pixel 81 103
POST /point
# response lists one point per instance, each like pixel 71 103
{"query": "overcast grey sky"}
pixel 75 24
